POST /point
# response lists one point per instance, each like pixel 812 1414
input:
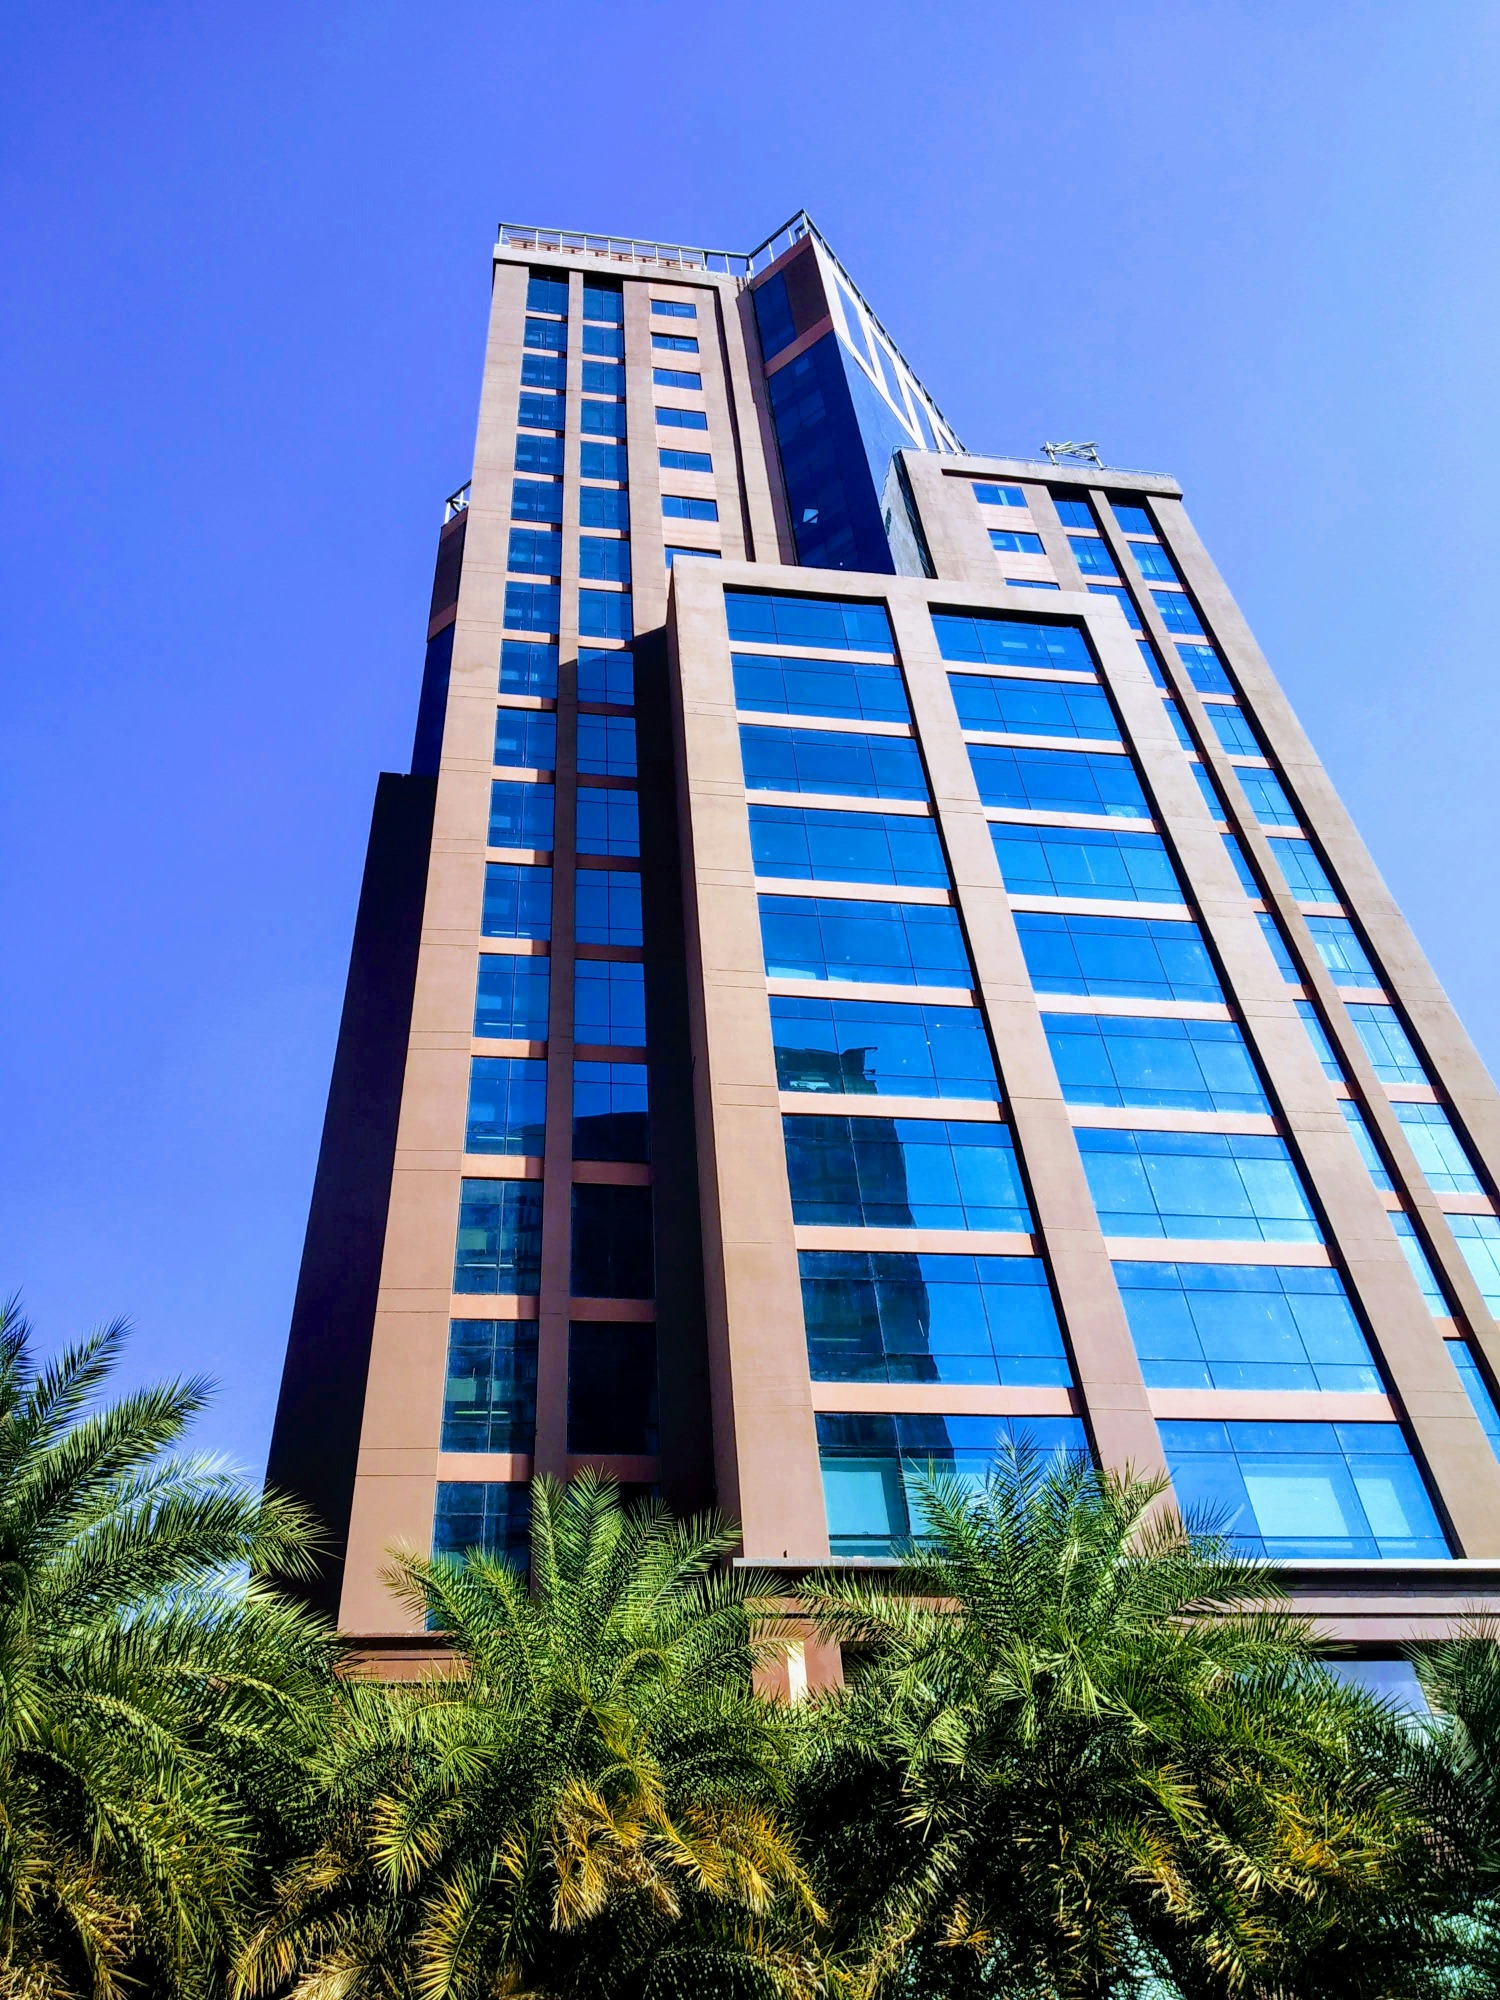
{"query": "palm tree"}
pixel 1083 1751
pixel 1456 1769
pixel 586 1801
pixel 152 1700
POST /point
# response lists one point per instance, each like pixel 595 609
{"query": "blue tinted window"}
pixel 1133 519
pixel 1386 1043
pixel 682 507
pixel 1179 728
pixel 608 821
pixel 608 906
pixel 603 559
pixel 543 371
pixel 773 315
pixel 707 555
pixel 539 454
pixel 612 1388
pixel 1177 614
pixel 1365 1145
pixel 1092 556
pixel 603 340
pixel 1075 781
pixel 1121 597
pixel 1289 1489
pixel 603 461
pixel 536 500
pixel 1032 708
pixel 676 378
pixel 1440 1152
pixel 609 1111
pixel 532 607
pixel 603 378
pixel 861 691
pixel 606 676
pixel 1305 874
pixel 1237 855
pixel 605 507
pixel 606 746
pixel 881 1047
pixel 609 1003
pixel 546 336
pixel 1479 1239
pixel 1154 562
pixel 1460 1354
pixel 674 309
pixel 1185 1065
pixel 612 1249
pixel 499 1238
pixel 893 944
pixel 1245 1326
pixel 526 738
pixel 547 294
pixel 528 666
pixel 895 1316
pixel 993 640
pixel 874 1467
pixel 825 760
pixel 1318 1035
pixel 482 1514
pixel 1205 670
pixel 684 461
pixel 1073 510
pixel 1030 583
pixel 801 845
pixel 1421 1268
pixel 605 614
pixel 1210 792
pixel 604 420
pixel 517 901
pixel 1232 727
pixel 1234 1186
pixel 520 815
pixel 1138 958
pixel 1102 864
pixel 1015 542
pixel 1341 951
pixel 1272 932
pixel 507 1105
pixel 489 1395
pixel 904 1173
pixel 676 343
pixel 681 420
pixel 1268 801
pixel 988 494
pixel 541 412
pixel 606 302
pixel 824 623
pixel 511 1001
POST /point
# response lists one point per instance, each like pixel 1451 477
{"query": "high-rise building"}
pixel 866 965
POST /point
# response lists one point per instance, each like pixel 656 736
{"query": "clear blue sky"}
pixel 244 287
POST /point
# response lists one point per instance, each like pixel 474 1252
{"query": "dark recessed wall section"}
pixel 685 1416
pixel 427 745
pixel 315 1442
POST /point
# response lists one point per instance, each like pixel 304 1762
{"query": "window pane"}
pixel 674 555
pixel 1073 510
pixel 489 1395
pixel 1364 1142
pixel 608 906
pixel 1232 727
pixel 675 343
pixel 528 666
pixel 603 420
pixel 525 739
pixel 1318 1035
pixel 536 500
pixel 1102 864
pixel 1341 950
pixel 602 461
pixel 1205 670
pixel 1121 597
pixel 609 1111
pixel 1268 801
pixel 897 944
pixel 1092 556
pixel 543 371
pixel 673 460
pixel 1228 1185
pixel 606 676
pixel 605 507
pixel 682 507
pixel 1386 1043
pixel 1075 781
pixel 520 814
pixel 835 762
pixel 547 294
pixel 1310 1490
pixel 1147 958
pixel 904 1173
pixel 1132 518
pixel 990 495
pixel 604 559
pixel 798 844
pixel 674 309
pixel 1015 542
pixel 1245 1326
pixel 861 691
pixel 1033 708
pixel 1185 1065
pixel 882 1048
pixel 540 411
pixel 539 454
pixel 1177 614
pixel 517 901
pixel 899 1317
pixel 681 420
pixel 604 614
pixel 992 639
pixel 1421 1267
pixel 1440 1152
pixel 608 821
pixel 612 1388
pixel 603 378
pixel 1478 1390
pixel 825 623
pixel 606 302
pixel 499 1238
pixel 532 607
pixel 609 1002
pixel 486 1515
pixel 512 998
pixel 612 1254
pixel 507 1105
pixel 604 340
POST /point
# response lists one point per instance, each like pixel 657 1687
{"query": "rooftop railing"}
pixel 645 249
